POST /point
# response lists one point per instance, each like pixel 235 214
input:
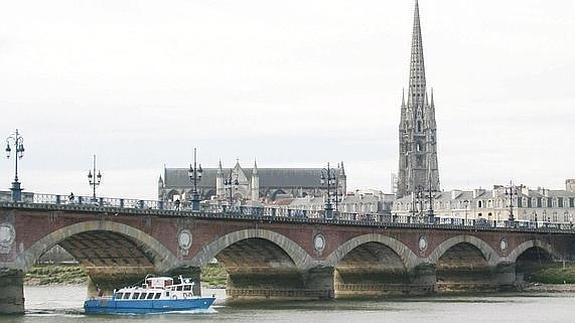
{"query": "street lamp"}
pixel 94 180
pixel 195 174
pixel 420 195
pixel 18 144
pixel 231 184
pixel 511 191
pixel 328 178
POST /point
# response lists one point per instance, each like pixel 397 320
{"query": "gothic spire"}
pixel 220 171
pixel 255 169
pixel 417 66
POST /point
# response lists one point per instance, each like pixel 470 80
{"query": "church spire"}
pixel 417 131
pixel 417 83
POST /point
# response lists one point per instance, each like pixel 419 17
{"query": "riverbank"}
pixel 548 288
pixel 41 275
pixel 213 275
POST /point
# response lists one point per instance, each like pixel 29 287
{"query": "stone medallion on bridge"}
pixel 319 242
pixel 185 240
pixel 503 244
pixel 7 236
pixel 422 243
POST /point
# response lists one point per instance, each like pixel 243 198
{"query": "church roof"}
pixel 269 177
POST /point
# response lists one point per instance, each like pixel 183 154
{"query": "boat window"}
pixel 127 296
pixel 143 296
pixel 118 295
pixel 180 288
pixel 157 295
pixel 150 295
pixel 136 295
pixel 167 293
pixel 173 288
pixel 187 287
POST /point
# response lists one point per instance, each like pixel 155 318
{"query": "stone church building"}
pixel 253 183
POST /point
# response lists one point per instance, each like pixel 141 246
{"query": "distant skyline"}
pixel 291 84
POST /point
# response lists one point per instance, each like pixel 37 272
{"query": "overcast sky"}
pixel 289 83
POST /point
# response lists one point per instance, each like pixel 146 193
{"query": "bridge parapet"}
pixel 136 207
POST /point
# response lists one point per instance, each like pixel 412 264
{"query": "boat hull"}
pixel 111 306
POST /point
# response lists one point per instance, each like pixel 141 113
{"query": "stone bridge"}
pixel 270 256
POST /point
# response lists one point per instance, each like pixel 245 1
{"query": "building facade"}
pixel 358 202
pixel 529 205
pixel 253 184
pixel 418 167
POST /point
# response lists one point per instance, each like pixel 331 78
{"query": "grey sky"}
pixel 291 83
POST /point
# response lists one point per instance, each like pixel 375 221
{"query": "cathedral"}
pixel 249 184
pixel 418 168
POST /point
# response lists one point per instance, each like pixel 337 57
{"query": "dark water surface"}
pixel 64 304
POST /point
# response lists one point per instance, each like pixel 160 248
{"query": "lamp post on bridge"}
pixel 510 192
pixel 195 174
pixel 231 184
pixel 18 144
pixel 94 180
pixel 328 178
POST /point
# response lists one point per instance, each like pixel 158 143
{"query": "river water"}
pixel 64 304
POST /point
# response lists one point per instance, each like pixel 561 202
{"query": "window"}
pixel 549 202
pixel 539 202
pixel 127 296
pixel 151 295
pixel 118 295
pixel 187 287
pixel 560 202
pixel 479 204
pixel 168 294
pixel 179 288
pixel 158 295
pixel 418 126
pixel 136 295
pixel 571 202
pixel 143 296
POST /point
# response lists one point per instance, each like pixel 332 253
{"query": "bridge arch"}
pixel 297 254
pixel 488 253
pixel 163 258
pixel 519 250
pixel 409 259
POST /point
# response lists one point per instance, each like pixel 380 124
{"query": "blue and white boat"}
pixel 156 295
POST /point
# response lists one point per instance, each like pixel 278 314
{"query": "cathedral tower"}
pixel 418 168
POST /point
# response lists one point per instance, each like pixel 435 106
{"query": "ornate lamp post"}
pixel 94 180
pixel 511 191
pixel 195 174
pixel 16 142
pixel 420 197
pixel 231 184
pixel 328 178
pixel 466 204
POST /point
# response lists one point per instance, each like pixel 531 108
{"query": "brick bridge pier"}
pixel 267 255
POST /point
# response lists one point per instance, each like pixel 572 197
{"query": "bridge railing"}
pixel 271 212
